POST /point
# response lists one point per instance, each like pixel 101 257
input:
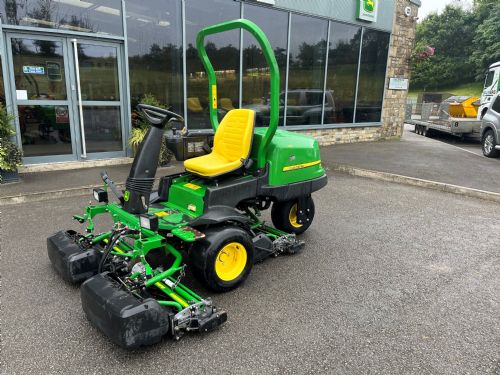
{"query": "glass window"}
pixel 39 69
pixel 307 70
pixel 489 78
pixel 155 52
pixel 496 105
pixel 102 128
pixel 256 87
pixel 45 130
pixel 98 72
pixel 374 51
pixel 224 53
pixel 342 72
pixel 101 16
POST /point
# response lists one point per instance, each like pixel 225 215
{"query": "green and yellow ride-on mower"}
pixel 207 219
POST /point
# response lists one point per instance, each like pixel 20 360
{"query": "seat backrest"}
pixel 233 138
pixel 194 104
pixel 227 104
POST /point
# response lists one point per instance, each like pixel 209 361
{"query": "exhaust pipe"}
pixel 139 184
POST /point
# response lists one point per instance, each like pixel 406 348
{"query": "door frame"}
pixel 15 102
pixel 98 103
pixel 71 100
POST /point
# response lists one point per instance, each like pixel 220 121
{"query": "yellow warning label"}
pixel 161 213
pixel 214 96
pixel 300 166
pixel 191 186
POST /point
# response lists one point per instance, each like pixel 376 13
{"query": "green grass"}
pixel 473 89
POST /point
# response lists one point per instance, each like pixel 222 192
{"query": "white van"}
pixel 491 87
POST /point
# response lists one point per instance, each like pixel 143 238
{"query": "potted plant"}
pixel 140 127
pixel 10 156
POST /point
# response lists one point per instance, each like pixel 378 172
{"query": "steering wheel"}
pixel 158 117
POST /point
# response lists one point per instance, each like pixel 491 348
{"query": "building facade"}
pixel 73 71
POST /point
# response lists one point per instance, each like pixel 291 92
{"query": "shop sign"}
pixel 398 83
pixel 29 69
pixel 367 10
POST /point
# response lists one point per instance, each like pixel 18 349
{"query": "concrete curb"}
pixel 412 181
pixel 71 165
pixel 48 195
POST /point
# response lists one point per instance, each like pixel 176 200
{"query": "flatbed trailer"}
pixel 425 122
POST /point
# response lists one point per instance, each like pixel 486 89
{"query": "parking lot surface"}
pixel 393 280
pixel 442 158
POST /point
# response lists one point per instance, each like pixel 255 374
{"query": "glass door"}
pixel 68 97
pixel 42 95
pixel 99 98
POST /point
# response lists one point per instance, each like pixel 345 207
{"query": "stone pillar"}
pixel 398 65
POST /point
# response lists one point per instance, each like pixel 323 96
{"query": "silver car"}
pixel 490 129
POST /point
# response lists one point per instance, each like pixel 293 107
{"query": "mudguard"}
pixel 218 215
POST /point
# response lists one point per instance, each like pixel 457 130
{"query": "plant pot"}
pixel 8 176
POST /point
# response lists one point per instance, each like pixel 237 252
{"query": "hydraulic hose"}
pixel 112 242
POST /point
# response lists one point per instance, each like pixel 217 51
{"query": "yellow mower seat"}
pixel 232 144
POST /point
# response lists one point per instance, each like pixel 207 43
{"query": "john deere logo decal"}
pixel 367 10
pixel 369 5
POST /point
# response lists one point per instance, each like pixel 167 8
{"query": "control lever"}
pixel 112 186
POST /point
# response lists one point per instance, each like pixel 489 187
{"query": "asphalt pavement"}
pixel 443 159
pixel 393 280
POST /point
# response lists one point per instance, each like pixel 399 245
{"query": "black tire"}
pixel 417 129
pixel 282 213
pixel 488 144
pixel 206 257
pixel 425 131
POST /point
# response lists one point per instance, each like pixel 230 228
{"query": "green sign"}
pixel 367 10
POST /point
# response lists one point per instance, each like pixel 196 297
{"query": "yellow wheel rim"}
pixel 292 216
pixel 231 261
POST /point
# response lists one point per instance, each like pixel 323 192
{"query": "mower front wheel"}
pixel 223 259
pixel 285 215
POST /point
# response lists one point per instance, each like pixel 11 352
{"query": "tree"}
pixel 487 41
pixel 451 33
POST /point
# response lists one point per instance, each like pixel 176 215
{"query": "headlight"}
pixel 149 222
pixel 100 195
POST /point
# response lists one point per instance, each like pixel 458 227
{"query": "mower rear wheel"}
pixel 284 215
pixel 223 259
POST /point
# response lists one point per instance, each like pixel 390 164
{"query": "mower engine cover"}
pixel 292 157
pixel 126 320
pixel 74 263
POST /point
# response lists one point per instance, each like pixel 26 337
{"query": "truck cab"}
pixel 491 87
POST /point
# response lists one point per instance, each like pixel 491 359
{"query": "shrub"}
pixel 140 126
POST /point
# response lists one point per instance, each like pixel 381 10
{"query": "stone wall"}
pixel 398 65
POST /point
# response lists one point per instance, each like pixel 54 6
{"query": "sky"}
pixel 430 6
